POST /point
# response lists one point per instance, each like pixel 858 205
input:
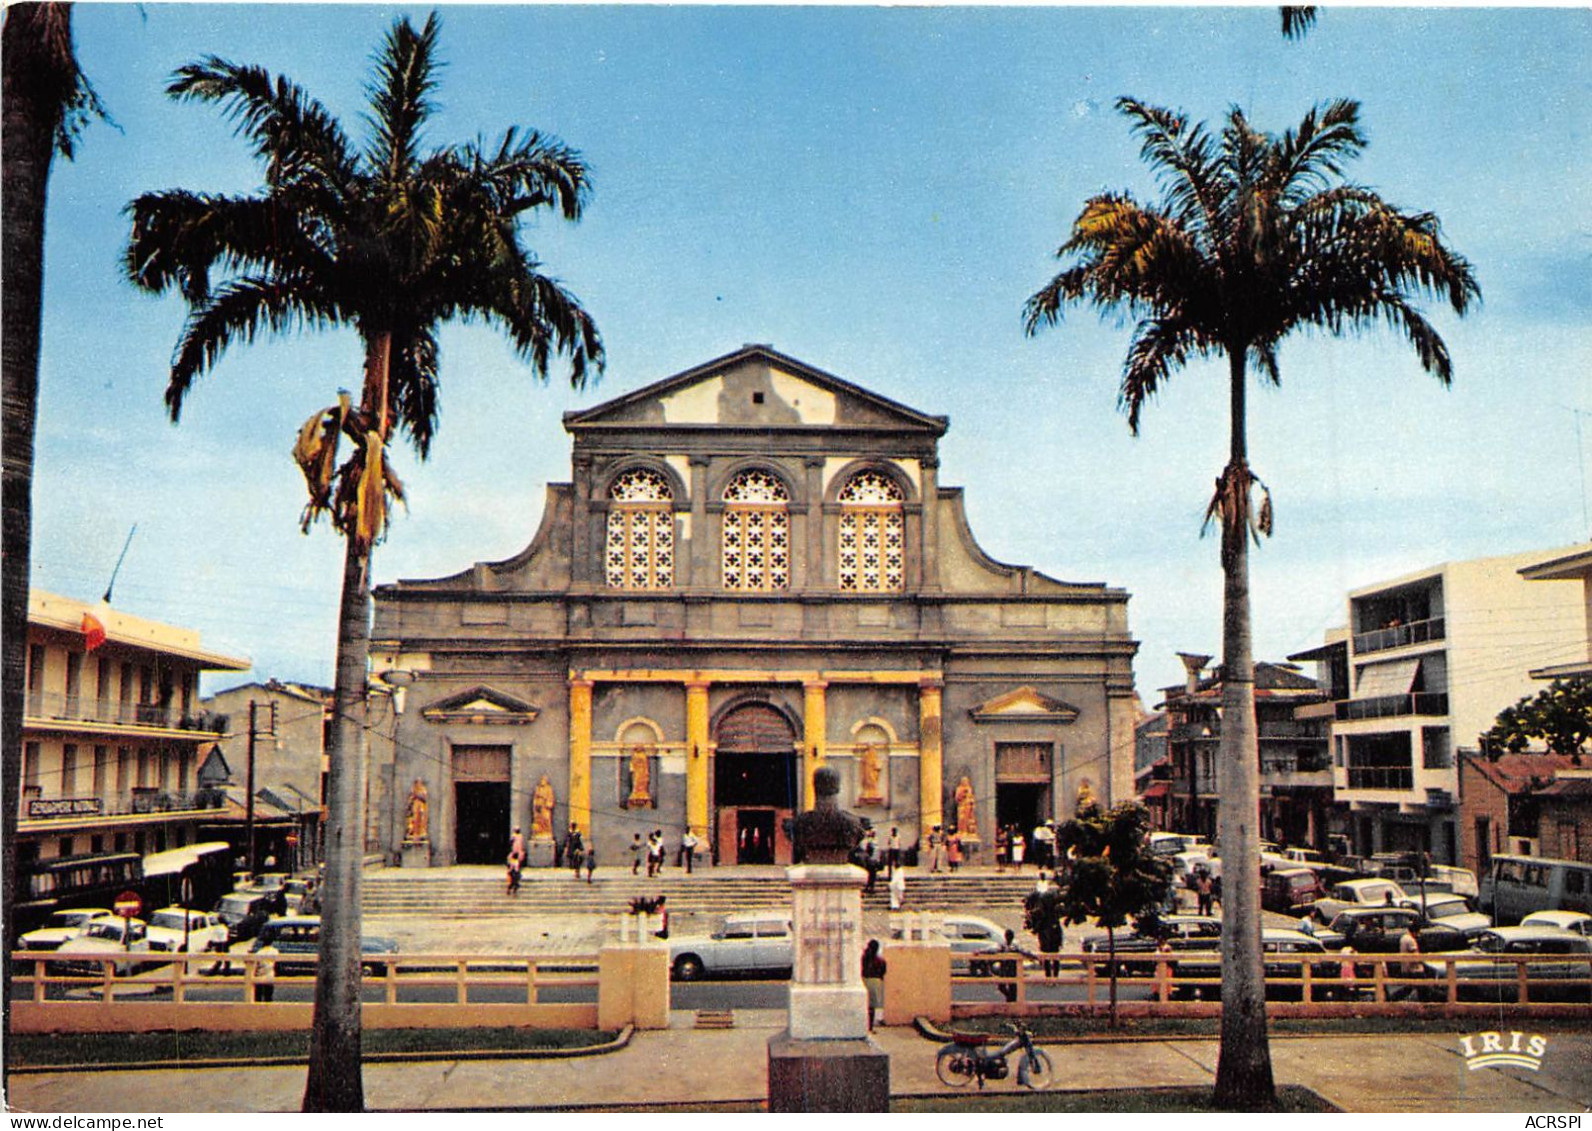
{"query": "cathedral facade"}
pixel 753 572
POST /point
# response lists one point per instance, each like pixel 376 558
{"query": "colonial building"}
pixel 112 733
pixel 754 571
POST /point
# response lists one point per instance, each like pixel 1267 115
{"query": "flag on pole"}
pixel 93 632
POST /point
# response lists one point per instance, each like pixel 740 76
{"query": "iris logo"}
pixel 1497 1050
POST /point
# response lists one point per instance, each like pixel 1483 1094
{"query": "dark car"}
pixel 1378 930
pixel 301 935
pixel 1291 891
pixel 1285 953
pixel 244 913
pixel 1182 932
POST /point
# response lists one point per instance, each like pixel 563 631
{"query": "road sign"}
pixel 127 904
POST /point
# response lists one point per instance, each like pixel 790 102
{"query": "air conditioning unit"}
pixel 1524 845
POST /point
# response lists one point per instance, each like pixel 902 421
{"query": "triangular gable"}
pixel 1024 705
pixel 756 386
pixel 214 770
pixel 482 705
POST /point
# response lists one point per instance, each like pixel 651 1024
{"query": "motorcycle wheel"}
pixel 1035 1072
pixel 951 1067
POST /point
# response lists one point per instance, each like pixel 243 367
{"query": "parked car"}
pixel 968 934
pixel 1576 922
pixel 1445 909
pixel 245 912
pixel 205 930
pixel 1309 857
pixel 1516 886
pixel 1560 957
pixel 1284 954
pixel 746 943
pixel 1358 893
pixel 1378 930
pixel 61 927
pixel 1170 844
pixel 300 935
pixel 1290 891
pixel 110 937
pixel 1182 932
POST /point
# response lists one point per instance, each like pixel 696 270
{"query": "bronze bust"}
pixel 826 833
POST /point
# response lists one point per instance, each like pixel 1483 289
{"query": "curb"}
pixel 619 1042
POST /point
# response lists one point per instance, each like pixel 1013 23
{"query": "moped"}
pixel 967 1058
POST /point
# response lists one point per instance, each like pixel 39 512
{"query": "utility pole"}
pixel 248 820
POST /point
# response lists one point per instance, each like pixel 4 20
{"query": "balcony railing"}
pixel 1398 635
pixel 1390 706
pixel 1382 777
pixel 107 712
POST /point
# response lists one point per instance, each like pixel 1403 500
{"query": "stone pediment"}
pixel 1023 705
pixel 755 387
pixel 481 705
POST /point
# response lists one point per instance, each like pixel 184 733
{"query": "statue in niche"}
pixel 417 814
pixel 826 833
pixel 542 801
pixel 870 770
pixel 640 779
pixel 966 810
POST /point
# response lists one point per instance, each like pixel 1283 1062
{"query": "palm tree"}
pixel 47 101
pixel 391 241
pixel 1256 236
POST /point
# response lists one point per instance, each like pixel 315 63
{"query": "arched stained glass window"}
pixel 756 533
pixel 872 534
pixel 640 545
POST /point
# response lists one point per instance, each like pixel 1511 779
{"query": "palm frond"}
pixel 1182 158
pixel 178 238
pixel 414 376
pixel 400 96
pixel 1297 20
pixel 1307 159
pixel 293 134
pixel 1159 346
pixel 237 312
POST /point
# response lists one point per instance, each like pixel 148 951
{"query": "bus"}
pixel 194 877
pixel 1515 886
pixel 47 886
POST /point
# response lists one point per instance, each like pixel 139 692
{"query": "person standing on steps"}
pixel 574 849
pixel 893 861
pixel 635 854
pixel 591 861
pixel 898 888
pixel 688 847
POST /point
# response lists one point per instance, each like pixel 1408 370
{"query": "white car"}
pixel 967 934
pixel 747 943
pixel 1577 922
pixel 63 926
pixel 205 930
pixel 1445 909
pixel 110 937
pixel 1358 893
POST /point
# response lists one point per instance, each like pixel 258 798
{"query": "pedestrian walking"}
pixel 574 849
pixel 874 968
pixel 898 889
pixel 953 851
pixel 1203 891
pixel 635 854
pixel 688 847
pixel 591 861
pixel 1410 943
pixel 1002 849
pixel 516 860
pixel 893 860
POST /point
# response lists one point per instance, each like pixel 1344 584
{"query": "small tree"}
pixel 1560 715
pixel 1114 877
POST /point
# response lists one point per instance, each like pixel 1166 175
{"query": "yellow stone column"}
pixel 814 724
pixel 696 764
pixel 580 754
pixel 930 770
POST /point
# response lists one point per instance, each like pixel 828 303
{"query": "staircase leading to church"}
pixel 467 892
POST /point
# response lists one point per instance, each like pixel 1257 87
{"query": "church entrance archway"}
pixel 754 785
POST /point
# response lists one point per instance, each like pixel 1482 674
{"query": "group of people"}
pixel 657 853
pixel 945 850
pixel 1012 847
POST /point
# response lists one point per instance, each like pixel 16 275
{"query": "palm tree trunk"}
pixel 1243 1067
pixel 29 116
pixel 335 1081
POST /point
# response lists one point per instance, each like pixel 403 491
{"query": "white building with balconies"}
pixel 1428 661
pixel 112 732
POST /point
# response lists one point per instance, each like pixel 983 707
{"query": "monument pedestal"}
pixel 827 1075
pixel 415 854
pixel 825 1061
pixel 540 853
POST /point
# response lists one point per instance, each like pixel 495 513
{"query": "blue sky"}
pixel 875 191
